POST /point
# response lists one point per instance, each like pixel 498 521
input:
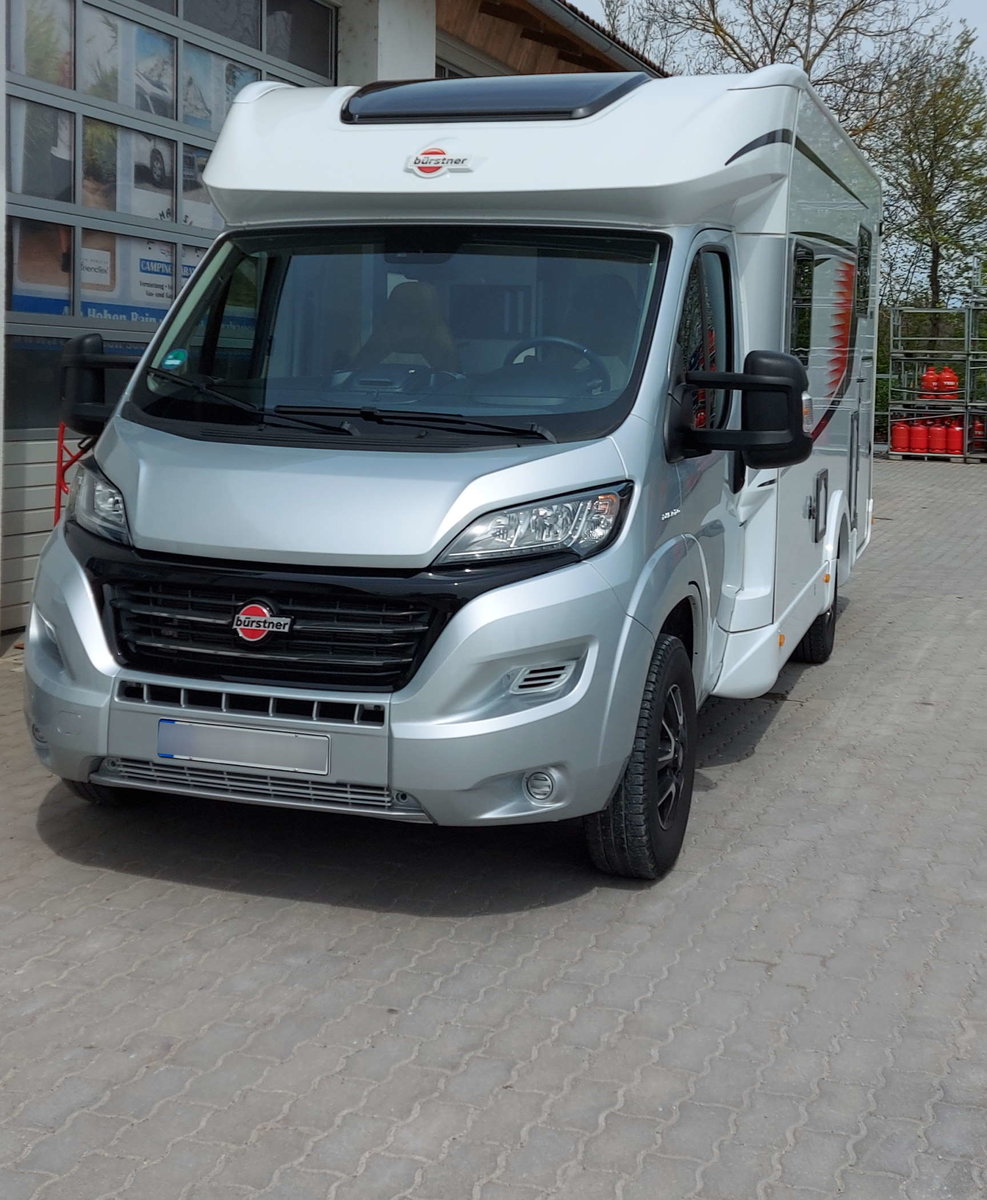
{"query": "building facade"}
pixel 112 108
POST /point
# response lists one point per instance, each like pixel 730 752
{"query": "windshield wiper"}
pixel 202 388
pixel 429 420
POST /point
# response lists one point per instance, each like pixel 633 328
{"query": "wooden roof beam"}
pixel 505 12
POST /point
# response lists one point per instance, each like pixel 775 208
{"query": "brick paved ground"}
pixel 212 1002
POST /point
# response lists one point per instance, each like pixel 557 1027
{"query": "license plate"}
pixel 236 746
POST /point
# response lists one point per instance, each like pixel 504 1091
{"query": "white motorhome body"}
pixel 514 363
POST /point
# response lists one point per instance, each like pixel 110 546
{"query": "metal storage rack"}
pixel 940 338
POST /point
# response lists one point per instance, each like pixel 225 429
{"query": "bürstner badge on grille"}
pixel 255 621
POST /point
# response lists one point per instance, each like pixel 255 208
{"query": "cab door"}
pixel 705 341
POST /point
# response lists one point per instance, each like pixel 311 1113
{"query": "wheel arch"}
pixel 836 548
pixel 671 598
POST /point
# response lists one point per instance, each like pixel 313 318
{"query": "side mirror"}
pixel 85 408
pixel 771 433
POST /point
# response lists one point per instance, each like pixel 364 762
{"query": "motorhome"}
pixel 509 420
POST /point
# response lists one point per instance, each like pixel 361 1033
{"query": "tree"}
pixel 933 156
pixel 905 85
pixel 850 49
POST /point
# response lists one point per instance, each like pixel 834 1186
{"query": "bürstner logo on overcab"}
pixel 255 621
pixel 434 161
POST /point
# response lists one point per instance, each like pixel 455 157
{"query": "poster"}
pixel 197 208
pixel 126 278
pixel 125 170
pixel 41 265
pixel 209 85
pixel 40 34
pixel 191 257
pixel 40 150
pixel 126 63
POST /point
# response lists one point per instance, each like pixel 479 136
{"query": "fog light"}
pixel 38 735
pixel 539 785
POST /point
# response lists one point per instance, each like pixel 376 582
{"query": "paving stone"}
pixel 58 1152
pixel 70 1097
pixel 456 1172
pixel 695 1131
pixel 436 1123
pixel 384 1175
pixel 619 1142
pixel 541 1158
pixel 856 1185
pixel 889 1146
pixel 814 1159
pixel 736 1172
pixel 838 1108
pixel 959 1132
pixel 662 1176
pixel 93 1176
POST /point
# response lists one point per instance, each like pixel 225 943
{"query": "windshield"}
pixel 405 336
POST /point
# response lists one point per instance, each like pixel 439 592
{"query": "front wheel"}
pixel 640 832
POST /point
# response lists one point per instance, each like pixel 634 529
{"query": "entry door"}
pixel 821 335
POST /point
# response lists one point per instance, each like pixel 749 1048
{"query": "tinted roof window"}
pixel 500 98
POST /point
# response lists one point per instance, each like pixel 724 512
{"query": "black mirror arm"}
pixel 724 380
pixel 736 439
pixel 124 362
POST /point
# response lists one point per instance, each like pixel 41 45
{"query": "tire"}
pixel 101 795
pixel 640 832
pixel 157 165
pixel 817 644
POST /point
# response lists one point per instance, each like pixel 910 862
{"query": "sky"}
pixel 974 12
pixel 971 11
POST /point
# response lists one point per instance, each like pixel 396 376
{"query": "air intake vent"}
pixel 543 679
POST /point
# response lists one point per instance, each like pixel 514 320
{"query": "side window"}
pixel 864 251
pixel 704 336
pixel 800 320
pixel 822 322
pixel 223 344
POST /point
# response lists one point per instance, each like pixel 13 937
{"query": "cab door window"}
pixel 704 335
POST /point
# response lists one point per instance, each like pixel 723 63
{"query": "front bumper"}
pixel 457 745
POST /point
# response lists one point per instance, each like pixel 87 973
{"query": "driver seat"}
pixel 410 329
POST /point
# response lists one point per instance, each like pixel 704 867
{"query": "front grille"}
pixel 290 792
pixel 339 637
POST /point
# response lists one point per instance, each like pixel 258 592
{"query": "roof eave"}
pixel 595 35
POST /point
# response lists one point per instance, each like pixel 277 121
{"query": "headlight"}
pixel 583 523
pixel 97 505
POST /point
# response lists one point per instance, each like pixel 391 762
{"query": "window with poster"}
pixel 112 115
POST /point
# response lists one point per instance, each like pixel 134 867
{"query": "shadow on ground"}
pixel 325 858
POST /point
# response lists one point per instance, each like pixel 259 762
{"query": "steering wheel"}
pixel 594 360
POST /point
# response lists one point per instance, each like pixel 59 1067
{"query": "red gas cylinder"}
pixel 978 435
pixel 918 438
pixel 899 437
pixel 954 437
pixel 928 388
pixel 937 438
pixel 949 384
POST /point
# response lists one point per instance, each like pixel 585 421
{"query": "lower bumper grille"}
pixel 224 784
